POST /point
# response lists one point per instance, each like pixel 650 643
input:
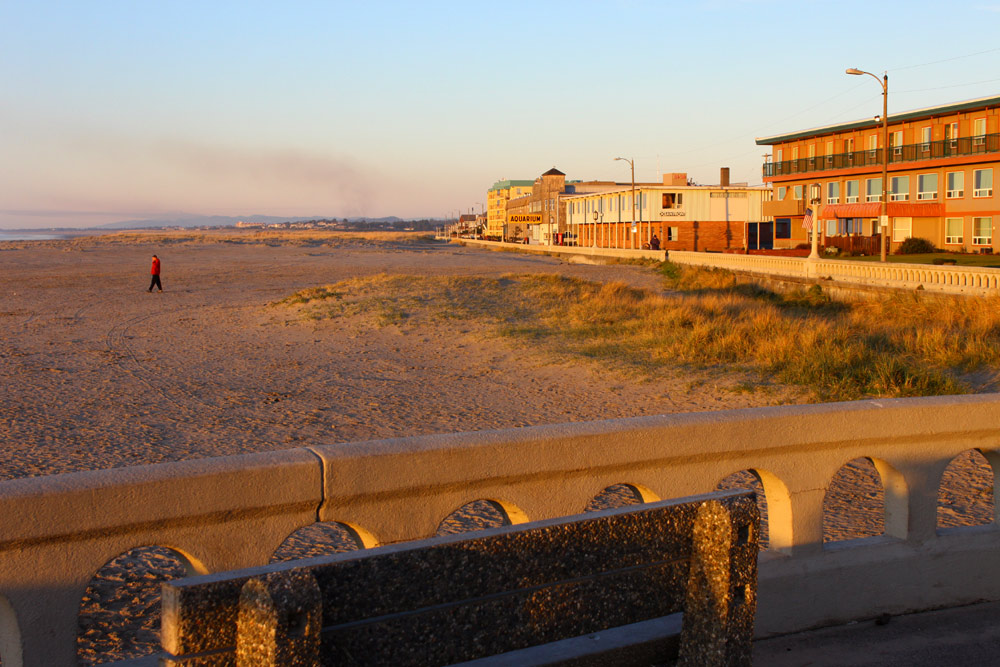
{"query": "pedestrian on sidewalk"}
pixel 155 272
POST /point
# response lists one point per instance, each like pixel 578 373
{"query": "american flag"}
pixel 807 221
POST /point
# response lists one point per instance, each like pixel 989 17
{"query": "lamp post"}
pixel 631 164
pixel 596 214
pixel 884 218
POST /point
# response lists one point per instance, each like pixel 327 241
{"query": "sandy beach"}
pixel 99 373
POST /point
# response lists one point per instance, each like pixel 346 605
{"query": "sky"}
pixel 116 111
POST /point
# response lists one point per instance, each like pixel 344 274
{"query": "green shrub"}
pixel 915 246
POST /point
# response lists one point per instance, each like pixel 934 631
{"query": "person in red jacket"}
pixel 155 272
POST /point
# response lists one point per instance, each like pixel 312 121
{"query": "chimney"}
pixel 724 177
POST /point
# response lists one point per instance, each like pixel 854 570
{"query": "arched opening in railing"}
pixel 773 501
pixel 620 495
pixel 323 538
pixel 866 498
pixel 119 616
pixel 480 515
pixel 966 492
pixel 10 635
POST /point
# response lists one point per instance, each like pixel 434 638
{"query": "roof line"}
pixel 904 115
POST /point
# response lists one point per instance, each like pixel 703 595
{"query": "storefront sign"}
pixel 529 218
pixel 672 214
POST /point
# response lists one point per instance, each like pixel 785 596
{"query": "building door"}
pixel 765 237
pixel 752 235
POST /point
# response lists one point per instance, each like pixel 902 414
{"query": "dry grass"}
pixel 896 346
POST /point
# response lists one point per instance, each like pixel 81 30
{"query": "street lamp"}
pixel 884 218
pixel 596 214
pixel 631 163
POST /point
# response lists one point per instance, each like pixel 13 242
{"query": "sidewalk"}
pixel 967 636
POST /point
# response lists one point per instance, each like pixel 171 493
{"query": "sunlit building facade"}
pixel 942 163
pixel 496 204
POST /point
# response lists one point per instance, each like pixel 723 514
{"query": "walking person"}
pixel 154 271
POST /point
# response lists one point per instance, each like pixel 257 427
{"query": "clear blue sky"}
pixel 122 110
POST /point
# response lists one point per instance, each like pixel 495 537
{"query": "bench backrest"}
pixel 459 598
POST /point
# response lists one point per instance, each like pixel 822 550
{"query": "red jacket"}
pixel 155 269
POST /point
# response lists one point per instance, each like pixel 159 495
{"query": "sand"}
pixel 99 373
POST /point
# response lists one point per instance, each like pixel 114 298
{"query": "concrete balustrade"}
pixel 945 279
pixel 233 512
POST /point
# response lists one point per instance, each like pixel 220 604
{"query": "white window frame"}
pixel 869 197
pixel 955 193
pixel 848 197
pixel 782 192
pixel 979 131
pixel 982 192
pixel 954 135
pixel 897 142
pixel 926 194
pixel 831 227
pixel 901 231
pixel 797 192
pixel 982 240
pixel 872 145
pixel 951 239
pixel 832 198
pixel 925 138
pixel 673 233
pixel 902 195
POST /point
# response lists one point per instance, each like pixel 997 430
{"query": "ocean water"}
pixel 28 236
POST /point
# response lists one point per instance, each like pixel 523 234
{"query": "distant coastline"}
pixel 30 236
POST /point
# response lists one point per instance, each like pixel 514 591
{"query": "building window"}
pixel 979 132
pixel 852 192
pixel 831 227
pixel 927 186
pixel 952 131
pixel 795 152
pixel 982 183
pixel 873 189
pixel 833 192
pixel 982 231
pixel 896 141
pixel 777 155
pixel 956 184
pixel 900 188
pixel 925 139
pixel 872 145
pixel 782 228
pixel 672 200
pixel 953 230
pixel 782 191
pixel 901 229
pixel 797 192
pixel 672 233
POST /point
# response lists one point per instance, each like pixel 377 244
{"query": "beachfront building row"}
pixel 682 216
pixel 942 165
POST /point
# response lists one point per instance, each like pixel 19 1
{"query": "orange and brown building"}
pixel 942 162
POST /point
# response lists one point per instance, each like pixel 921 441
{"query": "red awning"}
pixel 897 209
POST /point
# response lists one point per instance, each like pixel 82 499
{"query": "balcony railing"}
pixel 929 150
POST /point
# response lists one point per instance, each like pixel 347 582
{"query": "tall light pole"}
pixel 884 218
pixel 631 163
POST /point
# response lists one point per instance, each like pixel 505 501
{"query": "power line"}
pixel 957 85
pixel 946 60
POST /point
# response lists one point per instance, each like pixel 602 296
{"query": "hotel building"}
pixel 496 205
pixel 942 161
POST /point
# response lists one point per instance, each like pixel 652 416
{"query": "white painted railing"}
pixel 233 512
pixel 947 279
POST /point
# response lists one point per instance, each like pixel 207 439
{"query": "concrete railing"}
pixel 946 279
pixel 569 251
pixel 233 512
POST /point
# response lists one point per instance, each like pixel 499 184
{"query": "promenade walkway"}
pixel 964 636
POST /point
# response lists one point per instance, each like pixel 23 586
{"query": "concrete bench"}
pixel 646 584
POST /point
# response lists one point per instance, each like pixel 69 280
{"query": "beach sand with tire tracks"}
pixel 99 373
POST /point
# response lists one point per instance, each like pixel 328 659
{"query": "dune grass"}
pixel 888 347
